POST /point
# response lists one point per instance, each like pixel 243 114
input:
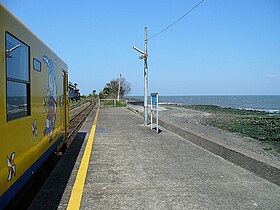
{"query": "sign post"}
pixel 154 109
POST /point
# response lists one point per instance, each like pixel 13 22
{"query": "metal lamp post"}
pixel 145 57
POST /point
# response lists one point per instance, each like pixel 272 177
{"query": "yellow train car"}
pixel 33 104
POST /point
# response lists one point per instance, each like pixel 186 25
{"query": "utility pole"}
pixel 119 88
pixel 146 78
pixel 145 57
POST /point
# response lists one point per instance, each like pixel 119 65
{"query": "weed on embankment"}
pixel 255 124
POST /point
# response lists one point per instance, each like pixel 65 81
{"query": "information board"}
pixel 154 109
pixel 154 101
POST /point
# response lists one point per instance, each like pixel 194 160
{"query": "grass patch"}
pixel 77 102
pixel 112 103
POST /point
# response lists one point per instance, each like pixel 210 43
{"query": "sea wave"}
pixel 169 103
pixel 270 111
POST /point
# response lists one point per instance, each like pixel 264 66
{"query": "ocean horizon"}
pixel 267 103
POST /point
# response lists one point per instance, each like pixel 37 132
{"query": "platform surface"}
pixel 132 167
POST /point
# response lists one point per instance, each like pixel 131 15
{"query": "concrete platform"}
pixel 132 167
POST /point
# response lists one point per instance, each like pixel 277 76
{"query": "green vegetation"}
pixel 116 87
pixel 77 102
pixel 121 104
pixel 112 103
pixel 256 124
pixel 114 92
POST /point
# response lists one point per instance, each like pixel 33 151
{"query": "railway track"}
pixel 24 198
pixel 77 117
pixel 75 111
pixel 73 106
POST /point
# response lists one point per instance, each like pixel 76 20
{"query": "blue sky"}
pixel 223 47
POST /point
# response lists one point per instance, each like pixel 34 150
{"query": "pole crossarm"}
pixel 138 50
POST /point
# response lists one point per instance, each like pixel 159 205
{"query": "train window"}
pixel 36 64
pixel 17 78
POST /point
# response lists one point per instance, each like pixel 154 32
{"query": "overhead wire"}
pixel 189 11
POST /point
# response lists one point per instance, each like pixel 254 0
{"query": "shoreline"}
pixel 253 110
pixel 266 103
pixel 195 121
pixel 259 125
pixel 264 111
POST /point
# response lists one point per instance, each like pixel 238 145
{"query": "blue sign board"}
pixel 154 108
pixel 154 101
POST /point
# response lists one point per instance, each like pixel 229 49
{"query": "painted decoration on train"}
pixel 51 97
pixel 34 130
pixel 11 166
pixel 44 104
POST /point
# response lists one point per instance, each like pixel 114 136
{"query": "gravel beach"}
pixel 194 122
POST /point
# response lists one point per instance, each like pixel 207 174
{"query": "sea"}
pixel 267 103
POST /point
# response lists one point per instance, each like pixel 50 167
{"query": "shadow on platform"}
pixel 51 193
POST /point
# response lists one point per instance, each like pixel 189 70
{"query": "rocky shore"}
pixel 195 121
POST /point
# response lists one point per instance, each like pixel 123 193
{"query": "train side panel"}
pixel 33 107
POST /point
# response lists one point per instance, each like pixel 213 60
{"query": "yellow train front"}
pixel 33 104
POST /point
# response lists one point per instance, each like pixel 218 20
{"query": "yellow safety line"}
pixel 77 191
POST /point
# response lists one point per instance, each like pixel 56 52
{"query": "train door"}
pixel 64 103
